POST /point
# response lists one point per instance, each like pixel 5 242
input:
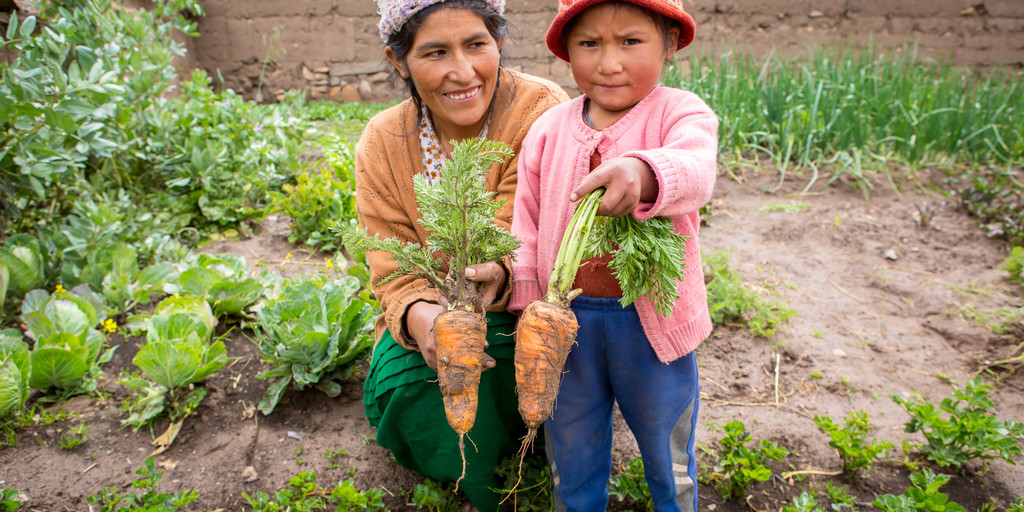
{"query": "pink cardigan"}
pixel 675 132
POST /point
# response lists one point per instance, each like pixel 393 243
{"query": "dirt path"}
pixel 876 287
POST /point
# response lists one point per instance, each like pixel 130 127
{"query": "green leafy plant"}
pixel 963 428
pixel 15 368
pixel 111 500
pixel 805 502
pixel 731 302
pixel 1016 506
pixel 922 496
pixel 320 197
pixel 348 498
pixel 648 256
pixel 432 496
pixel 222 281
pixel 113 270
pixel 25 261
pixel 68 353
pixel 311 335
pixel 302 494
pixel 528 490
pixel 850 440
pixel 177 354
pixel 74 436
pixel 9 499
pixel 737 466
pixel 840 498
pixel 1014 265
pixel 631 484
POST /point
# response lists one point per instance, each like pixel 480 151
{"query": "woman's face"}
pixel 453 63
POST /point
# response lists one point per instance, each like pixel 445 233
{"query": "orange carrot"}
pixel 460 336
pixel 544 336
pixel 547 328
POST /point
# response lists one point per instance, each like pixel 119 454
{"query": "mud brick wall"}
pixel 331 48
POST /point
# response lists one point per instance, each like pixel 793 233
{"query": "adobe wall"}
pixel 331 48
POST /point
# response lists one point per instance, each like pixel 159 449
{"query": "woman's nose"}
pixel 461 69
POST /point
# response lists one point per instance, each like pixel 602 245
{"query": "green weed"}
pixel 75 436
pixel 9 499
pixel 850 440
pixel 790 207
pixel 962 428
pixel 631 485
pixel 111 500
pixel 533 492
pixel 730 302
pixel 840 498
pixel 433 497
pixel 736 465
pixel 805 502
pixel 922 496
pixel 1014 265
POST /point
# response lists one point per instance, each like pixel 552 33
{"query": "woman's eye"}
pixel 435 53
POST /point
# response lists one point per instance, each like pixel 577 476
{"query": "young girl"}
pixel 653 149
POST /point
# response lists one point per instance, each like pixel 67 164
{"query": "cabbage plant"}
pixel 15 366
pixel 25 260
pixel 311 335
pixel 222 280
pixel 114 271
pixel 177 355
pixel 69 350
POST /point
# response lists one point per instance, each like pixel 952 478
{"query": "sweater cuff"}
pixel 524 292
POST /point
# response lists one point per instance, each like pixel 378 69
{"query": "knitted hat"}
pixel 394 13
pixel 567 9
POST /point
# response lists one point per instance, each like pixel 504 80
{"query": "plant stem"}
pixel 571 251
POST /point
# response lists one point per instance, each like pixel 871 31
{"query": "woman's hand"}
pixel 626 181
pixel 492 278
pixel 419 321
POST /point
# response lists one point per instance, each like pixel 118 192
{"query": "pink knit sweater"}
pixel 675 132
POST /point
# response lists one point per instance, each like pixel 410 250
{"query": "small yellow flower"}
pixel 59 291
pixel 109 325
pixel 288 256
pixel 329 264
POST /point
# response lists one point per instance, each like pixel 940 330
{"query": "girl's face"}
pixel 453 63
pixel 616 54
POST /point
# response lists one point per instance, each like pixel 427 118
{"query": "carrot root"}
pixel 544 335
pixel 460 337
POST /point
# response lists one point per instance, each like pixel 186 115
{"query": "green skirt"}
pixel 403 400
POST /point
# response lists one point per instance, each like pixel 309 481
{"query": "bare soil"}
pixel 877 284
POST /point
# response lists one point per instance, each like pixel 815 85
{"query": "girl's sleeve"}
pixel 381 210
pixel 525 284
pixel 684 160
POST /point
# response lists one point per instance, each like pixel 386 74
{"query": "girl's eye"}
pixel 588 44
pixel 631 42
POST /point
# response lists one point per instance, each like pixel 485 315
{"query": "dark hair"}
pixel 661 22
pixel 401 41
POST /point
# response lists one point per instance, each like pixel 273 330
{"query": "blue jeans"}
pixel 613 361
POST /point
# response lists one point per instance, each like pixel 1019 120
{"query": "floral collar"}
pixel 433 154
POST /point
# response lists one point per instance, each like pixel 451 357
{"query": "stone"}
pixel 349 94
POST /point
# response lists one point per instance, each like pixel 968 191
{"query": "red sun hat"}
pixel 567 9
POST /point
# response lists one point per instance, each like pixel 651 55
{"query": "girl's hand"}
pixel 626 181
pixel 492 278
pixel 419 321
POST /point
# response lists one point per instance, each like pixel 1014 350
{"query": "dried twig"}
pixel 848 294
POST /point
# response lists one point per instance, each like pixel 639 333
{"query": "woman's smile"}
pixel 463 95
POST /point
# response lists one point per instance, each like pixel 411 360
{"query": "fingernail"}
pixel 470 272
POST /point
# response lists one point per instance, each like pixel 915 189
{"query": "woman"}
pixel 448 53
